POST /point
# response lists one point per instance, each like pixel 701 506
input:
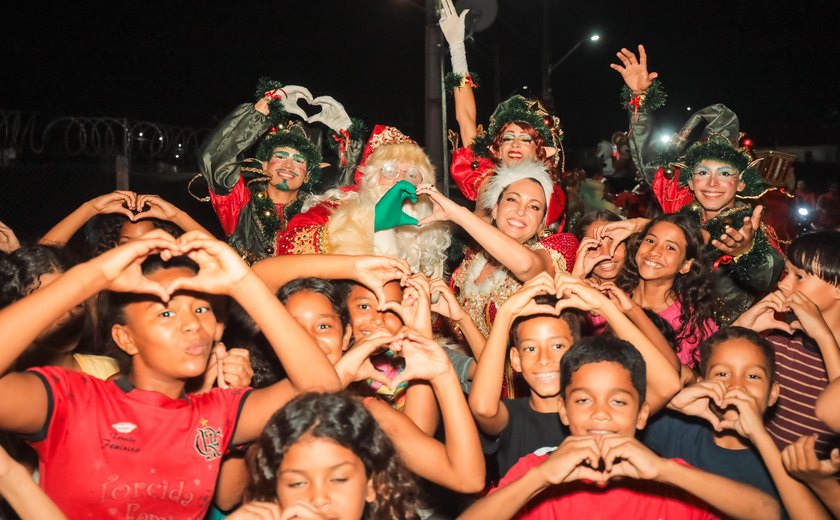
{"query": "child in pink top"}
pixel 667 271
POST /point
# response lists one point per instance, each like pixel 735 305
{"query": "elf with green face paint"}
pixel 712 180
pixel 255 198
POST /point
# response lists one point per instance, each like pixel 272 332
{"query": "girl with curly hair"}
pixel 667 271
pixel 325 455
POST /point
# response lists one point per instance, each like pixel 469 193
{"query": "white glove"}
pixel 453 26
pixel 295 93
pixel 332 113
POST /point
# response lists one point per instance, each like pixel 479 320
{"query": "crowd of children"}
pixel 152 373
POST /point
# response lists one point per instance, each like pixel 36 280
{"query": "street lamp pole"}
pixel 548 69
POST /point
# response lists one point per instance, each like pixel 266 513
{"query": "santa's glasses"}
pixel 391 170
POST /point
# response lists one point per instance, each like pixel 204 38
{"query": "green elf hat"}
pixel 518 109
pixel 718 141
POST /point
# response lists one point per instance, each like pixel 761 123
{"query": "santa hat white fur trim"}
pixel 507 175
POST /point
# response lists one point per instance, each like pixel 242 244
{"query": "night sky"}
pixel 190 62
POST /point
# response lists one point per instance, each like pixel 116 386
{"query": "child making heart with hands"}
pixel 166 325
pixel 603 404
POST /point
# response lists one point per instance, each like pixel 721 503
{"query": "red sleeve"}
pixel 519 469
pixel 469 171
pixel 228 207
pixel 669 193
pixel 564 243
pixel 303 233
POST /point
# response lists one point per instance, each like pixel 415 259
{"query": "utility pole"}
pixel 434 120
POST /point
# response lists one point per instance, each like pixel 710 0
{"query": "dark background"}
pixel 189 63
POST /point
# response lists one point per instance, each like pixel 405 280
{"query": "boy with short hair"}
pixel 737 386
pixel 542 333
pixel 807 353
pixel 603 403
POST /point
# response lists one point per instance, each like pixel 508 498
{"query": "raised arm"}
pixel 489 411
pixel 308 369
pixel 154 206
pixel 800 459
pixel 371 271
pixel 459 463
pixel 220 153
pixel 639 82
pixel 798 500
pixel 663 379
pixel 122 202
pixel 447 305
pixel 24 320
pixel 452 25
pixel 627 457
pixel 522 262
pixel 811 321
pixel 637 315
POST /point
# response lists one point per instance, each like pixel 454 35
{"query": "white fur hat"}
pixel 507 175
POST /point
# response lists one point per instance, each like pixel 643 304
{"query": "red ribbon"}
pixel 273 94
pixel 342 138
pixel 635 102
pixel 723 260
pixel 469 81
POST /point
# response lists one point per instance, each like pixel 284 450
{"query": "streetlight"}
pixel 594 37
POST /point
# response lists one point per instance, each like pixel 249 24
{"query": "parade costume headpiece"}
pixel 286 133
pixel 382 135
pixel 719 141
pixel 518 109
pixel 507 175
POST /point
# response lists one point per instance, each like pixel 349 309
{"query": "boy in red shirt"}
pixel 603 403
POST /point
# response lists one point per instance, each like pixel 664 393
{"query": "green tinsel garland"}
pixel 277 114
pixel 266 213
pixel 453 80
pixel 655 97
pixel 358 131
pixel 750 261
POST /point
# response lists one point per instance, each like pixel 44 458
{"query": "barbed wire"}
pixel 32 132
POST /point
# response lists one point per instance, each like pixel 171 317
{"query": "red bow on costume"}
pixel 635 102
pixel 274 94
pixel 342 137
pixel 723 260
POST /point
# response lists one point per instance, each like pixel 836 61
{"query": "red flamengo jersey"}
pixel 109 450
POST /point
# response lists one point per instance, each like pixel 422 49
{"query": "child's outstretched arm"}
pixel 640 319
pixel 800 459
pixel 798 500
pixel 122 202
pixel 489 411
pixel 371 271
pixel 447 305
pixel 627 457
pixel 662 377
pixel 23 494
pixel 572 460
pixel 21 322
pixel 221 271
pixel 828 405
pixel 522 262
pixel 157 207
pixel 458 464
pixel 811 321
